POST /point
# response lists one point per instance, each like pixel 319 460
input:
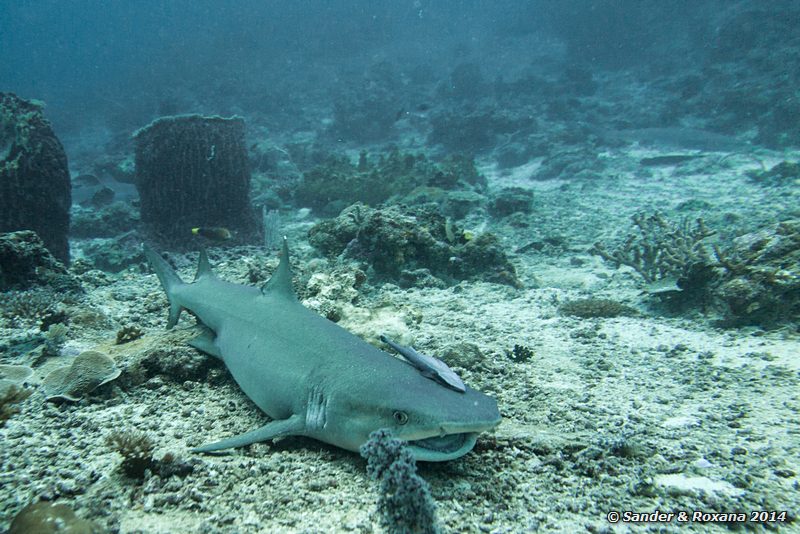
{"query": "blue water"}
pixel 93 59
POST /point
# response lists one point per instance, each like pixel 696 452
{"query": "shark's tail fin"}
pixel 169 281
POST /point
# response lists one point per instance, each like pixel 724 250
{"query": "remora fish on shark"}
pixel 313 377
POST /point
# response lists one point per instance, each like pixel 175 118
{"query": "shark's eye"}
pixel 400 417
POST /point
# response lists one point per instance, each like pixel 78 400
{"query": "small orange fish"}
pixel 216 233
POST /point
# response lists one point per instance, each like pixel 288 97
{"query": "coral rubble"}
pixel 26 263
pixel 761 283
pixel 396 242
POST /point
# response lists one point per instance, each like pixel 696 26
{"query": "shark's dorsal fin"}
pixel 203 266
pixel 281 281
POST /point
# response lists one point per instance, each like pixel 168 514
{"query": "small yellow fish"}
pixel 217 233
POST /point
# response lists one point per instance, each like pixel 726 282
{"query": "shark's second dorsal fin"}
pixel 203 266
pixel 281 281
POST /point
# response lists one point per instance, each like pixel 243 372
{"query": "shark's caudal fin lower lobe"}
pixel 169 281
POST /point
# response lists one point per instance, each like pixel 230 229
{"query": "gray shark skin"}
pixel 314 378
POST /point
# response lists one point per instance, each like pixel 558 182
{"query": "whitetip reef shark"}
pixel 316 379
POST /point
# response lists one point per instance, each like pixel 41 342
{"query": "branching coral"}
pixel 136 449
pixel 128 333
pixel 660 250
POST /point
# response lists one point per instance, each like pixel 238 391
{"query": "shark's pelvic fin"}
pixel 281 281
pixel 203 266
pixel 293 426
pixel 204 342
pixel 169 281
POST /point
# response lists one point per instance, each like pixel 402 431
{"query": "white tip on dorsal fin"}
pixel 203 266
pixel 281 281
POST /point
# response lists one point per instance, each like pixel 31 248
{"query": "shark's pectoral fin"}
pixel 204 342
pixel 293 426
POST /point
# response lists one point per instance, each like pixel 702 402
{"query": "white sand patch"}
pixel 681 421
pixel 682 484
pixel 552 276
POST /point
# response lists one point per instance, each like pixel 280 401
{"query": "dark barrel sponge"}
pixel 192 171
pixel 35 188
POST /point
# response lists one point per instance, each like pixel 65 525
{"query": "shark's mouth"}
pixel 440 448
